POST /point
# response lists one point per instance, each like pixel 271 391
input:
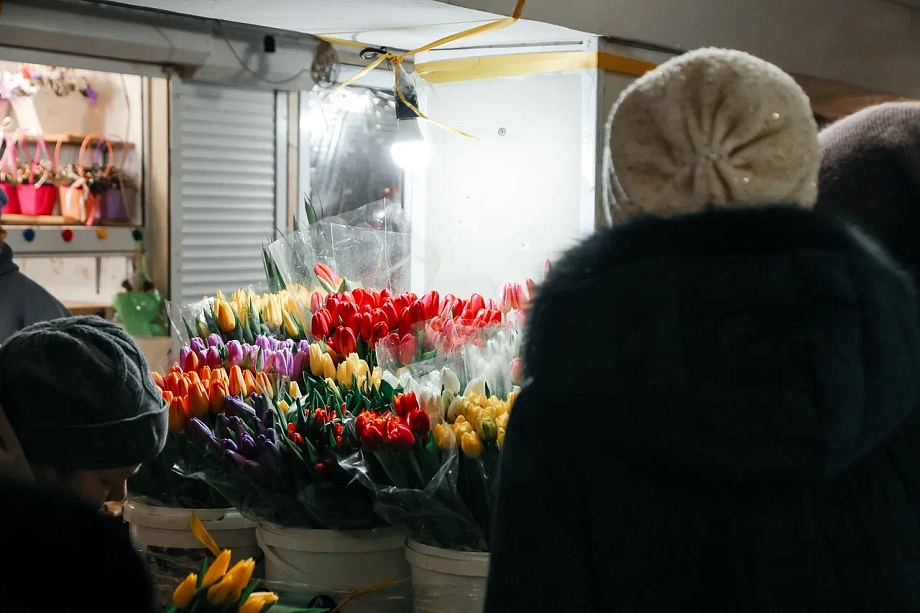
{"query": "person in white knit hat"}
pixel 719 405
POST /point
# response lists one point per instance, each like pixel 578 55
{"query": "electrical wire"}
pixel 244 65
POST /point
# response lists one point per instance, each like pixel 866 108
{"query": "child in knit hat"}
pixel 78 407
pixel 719 405
pixel 870 175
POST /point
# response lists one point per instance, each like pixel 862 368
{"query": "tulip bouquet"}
pixel 221 589
pixel 274 455
pixel 246 315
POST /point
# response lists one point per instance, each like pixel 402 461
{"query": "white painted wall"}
pixel 494 209
pixel 875 43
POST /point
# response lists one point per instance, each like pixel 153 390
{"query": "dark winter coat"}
pixel 23 302
pixel 719 416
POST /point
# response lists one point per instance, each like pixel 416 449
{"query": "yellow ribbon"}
pixel 469 69
pixel 201 533
pixel 397 59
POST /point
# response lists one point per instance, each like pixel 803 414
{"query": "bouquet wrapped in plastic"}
pixel 245 315
pixel 369 247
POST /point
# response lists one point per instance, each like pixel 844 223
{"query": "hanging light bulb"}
pixel 410 151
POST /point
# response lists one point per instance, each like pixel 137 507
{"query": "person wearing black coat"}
pixel 720 405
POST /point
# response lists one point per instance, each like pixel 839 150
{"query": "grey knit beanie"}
pixel 870 175
pixel 79 395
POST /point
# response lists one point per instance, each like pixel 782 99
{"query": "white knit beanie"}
pixel 711 127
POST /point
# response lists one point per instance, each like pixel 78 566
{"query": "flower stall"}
pixel 355 430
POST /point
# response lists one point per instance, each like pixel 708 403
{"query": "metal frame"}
pixel 281 162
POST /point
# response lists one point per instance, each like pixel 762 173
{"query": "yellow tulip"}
pixel 328 366
pixel 265 384
pixel 316 360
pixel 471 445
pixel 182 597
pixel 284 406
pixel 217 569
pixel 461 427
pixel 258 601
pixel 502 421
pixel 444 437
pixel 486 427
pixel 294 390
pixel 376 377
pixel 344 373
pixel 289 326
pixel 332 385
pixel 512 397
pixel 500 439
pixel 231 586
pixel 226 321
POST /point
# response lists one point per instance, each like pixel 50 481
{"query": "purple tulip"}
pixel 268 421
pixel 212 358
pixel 202 357
pixel 303 347
pixel 247 446
pixel 227 444
pixel 254 469
pixel 214 340
pixel 236 458
pixel 284 363
pixel 268 360
pixel 197 344
pixel 199 430
pixel 272 436
pixel 266 343
pixel 287 344
pixel 223 426
pixel 236 408
pixel 235 354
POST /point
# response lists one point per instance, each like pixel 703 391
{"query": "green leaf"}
pixel 202 573
pixel 310 211
pixel 249 590
pixel 188 328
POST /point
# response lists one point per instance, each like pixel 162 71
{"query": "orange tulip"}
pixel 221 373
pixel 264 384
pixel 175 368
pixel 216 394
pixel 178 414
pixel 192 377
pixel 238 383
pixel 159 380
pixel 172 383
pixel 250 380
pixel 198 400
pixel 167 395
pixel 182 387
pixel 205 373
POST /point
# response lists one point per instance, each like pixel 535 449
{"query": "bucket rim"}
pixel 314 540
pixel 137 510
pixel 448 561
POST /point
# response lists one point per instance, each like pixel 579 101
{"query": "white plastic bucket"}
pixel 447 581
pixel 331 563
pixel 163 535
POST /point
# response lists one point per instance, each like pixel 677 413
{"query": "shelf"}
pixel 69 240
pixel 74 139
pixel 58 220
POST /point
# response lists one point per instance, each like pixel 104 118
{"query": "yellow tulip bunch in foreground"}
pixel 221 588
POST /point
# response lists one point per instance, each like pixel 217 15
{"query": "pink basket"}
pixel 37 200
pixel 12 199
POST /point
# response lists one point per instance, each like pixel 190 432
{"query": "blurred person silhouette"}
pixel 870 176
pixel 22 301
pixel 719 405
pixel 61 554
pixel 78 407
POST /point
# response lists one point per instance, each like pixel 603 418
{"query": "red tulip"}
pixel 379 331
pixel 476 303
pixel 343 341
pixel 432 303
pixel 347 312
pixel 407 349
pixel 400 437
pixel 385 295
pixel 417 312
pixel 316 302
pixel 392 315
pixel 405 403
pixel 419 422
pixel 332 306
pixel 347 297
pixel 366 326
pixel 321 323
pixel 373 298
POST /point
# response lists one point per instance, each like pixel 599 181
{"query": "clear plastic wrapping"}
pixel 369 247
